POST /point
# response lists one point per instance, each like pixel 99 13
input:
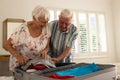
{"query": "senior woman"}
pixel 30 39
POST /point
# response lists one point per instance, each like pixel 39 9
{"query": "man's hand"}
pixel 55 60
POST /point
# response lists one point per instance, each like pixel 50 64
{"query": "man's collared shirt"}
pixel 60 40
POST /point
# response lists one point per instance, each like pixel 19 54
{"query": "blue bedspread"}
pixel 79 71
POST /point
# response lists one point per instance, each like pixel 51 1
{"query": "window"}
pixel 83 32
pixel 102 34
pixel 92 34
pixel 51 15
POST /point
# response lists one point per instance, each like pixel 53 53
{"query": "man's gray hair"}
pixel 40 11
pixel 66 13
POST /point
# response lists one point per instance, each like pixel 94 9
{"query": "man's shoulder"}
pixel 73 27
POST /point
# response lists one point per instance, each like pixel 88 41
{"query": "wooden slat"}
pixel 4 58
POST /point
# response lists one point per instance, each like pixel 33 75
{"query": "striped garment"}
pixel 60 40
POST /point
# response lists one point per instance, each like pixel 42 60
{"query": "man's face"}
pixel 64 23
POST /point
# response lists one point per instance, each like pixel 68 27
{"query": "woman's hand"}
pixel 21 60
pixel 44 54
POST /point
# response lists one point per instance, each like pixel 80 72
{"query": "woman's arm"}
pixel 44 52
pixel 8 47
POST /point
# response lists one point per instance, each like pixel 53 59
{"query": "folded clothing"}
pixel 79 71
pixel 60 77
pixel 39 60
pixel 37 67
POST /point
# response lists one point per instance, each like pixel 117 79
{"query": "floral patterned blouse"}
pixel 26 45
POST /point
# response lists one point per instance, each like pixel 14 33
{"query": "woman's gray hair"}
pixel 66 13
pixel 40 11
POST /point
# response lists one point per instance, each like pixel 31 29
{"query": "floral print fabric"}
pixel 26 45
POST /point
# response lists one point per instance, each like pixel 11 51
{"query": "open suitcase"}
pixel 106 72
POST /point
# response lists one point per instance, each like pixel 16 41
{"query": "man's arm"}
pixel 8 46
pixel 64 54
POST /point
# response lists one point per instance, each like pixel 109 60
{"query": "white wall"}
pixel 23 8
pixel 116 21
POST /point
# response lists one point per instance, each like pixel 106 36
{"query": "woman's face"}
pixel 42 22
pixel 64 23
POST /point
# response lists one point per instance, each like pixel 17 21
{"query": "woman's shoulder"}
pixel 21 27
